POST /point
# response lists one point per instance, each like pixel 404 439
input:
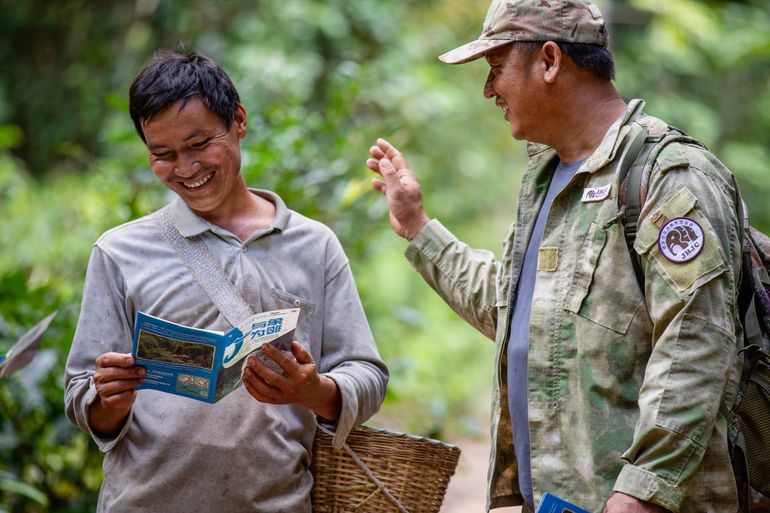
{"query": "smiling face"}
pixel 194 154
pixel 511 83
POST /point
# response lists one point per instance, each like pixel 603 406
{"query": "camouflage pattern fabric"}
pixel 567 21
pixel 624 392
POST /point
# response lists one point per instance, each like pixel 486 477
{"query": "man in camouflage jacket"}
pixel 623 387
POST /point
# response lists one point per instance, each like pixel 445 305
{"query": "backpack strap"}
pixel 630 161
pixel 204 269
pixel 631 166
pixel 634 168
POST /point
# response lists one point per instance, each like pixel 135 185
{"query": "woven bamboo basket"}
pixel 381 471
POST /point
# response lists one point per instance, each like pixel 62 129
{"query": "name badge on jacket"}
pixel 591 194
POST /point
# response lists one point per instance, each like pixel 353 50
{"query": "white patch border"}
pixel 668 227
pixel 602 193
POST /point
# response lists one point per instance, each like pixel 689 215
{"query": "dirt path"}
pixel 467 488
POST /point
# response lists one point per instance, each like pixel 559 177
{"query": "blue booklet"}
pixel 552 504
pixel 204 364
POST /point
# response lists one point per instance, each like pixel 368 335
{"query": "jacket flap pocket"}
pixel 600 291
pixel 680 201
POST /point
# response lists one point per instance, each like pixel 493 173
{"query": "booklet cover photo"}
pixel 204 364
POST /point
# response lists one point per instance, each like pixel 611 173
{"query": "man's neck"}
pixel 586 122
pixel 246 213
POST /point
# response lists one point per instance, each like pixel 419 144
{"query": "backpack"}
pixel 749 418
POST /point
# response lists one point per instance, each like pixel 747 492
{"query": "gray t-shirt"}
pixel 518 342
pixel 175 454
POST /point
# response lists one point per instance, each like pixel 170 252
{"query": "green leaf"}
pixel 11 136
pixel 11 485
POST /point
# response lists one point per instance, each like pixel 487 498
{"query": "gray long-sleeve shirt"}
pixel 179 455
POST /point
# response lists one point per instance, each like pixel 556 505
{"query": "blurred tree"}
pixel 705 67
pixel 58 61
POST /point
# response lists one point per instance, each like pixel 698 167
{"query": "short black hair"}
pixel 592 58
pixel 175 76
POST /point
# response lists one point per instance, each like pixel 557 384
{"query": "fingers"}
pixel 115 378
pixel 260 388
pixel 263 378
pixel 384 150
pixel 120 400
pixel 115 360
pixel 388 172
pixel 114 384
pixel 302 355
pixel 373 164
pixel 387 149
pixel 298 382
pixel 380 186
pixel 285 362
pixel 399 179
pixel 399 162
pixel 376 152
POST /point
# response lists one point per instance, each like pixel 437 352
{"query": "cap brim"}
pixel 472 51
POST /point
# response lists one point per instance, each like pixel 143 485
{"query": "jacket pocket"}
pixel 603 287
pixel 686 275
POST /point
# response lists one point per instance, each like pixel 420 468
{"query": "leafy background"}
pixel 320 81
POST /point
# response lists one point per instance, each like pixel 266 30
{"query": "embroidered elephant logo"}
pixel 680 237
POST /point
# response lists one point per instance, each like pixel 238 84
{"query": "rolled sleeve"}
pixel 104 443
pixel 648 486
pixel 349 355
pixel 349 411
pixel 430 242
pixel 102 327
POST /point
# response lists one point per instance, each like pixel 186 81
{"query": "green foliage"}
pixel 46 465
pixel 708 65
pixel 320 80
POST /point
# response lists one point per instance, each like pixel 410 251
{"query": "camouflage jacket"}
pixel 625 388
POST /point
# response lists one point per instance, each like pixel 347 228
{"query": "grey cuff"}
pixel 348 411
pixel 105 444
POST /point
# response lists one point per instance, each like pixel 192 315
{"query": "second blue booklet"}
pixel 550 503
pixel 204 364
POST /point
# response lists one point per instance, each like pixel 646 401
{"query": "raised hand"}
pixel 400 187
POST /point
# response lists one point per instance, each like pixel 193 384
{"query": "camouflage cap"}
pixel 562 21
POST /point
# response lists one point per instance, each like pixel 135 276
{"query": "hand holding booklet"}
pixel 552 504
pixel 204 364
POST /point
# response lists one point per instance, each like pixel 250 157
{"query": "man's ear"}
pixel 551 59
pixel 240 121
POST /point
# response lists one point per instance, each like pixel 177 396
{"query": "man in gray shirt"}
pixel 251 450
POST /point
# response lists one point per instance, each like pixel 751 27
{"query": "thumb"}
pixel 387 170
pixel 300 353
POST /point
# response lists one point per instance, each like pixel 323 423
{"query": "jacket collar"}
pixel 606 150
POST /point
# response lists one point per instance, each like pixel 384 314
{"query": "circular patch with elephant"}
pixel 681 239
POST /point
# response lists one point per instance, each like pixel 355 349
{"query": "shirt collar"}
pixel 190 224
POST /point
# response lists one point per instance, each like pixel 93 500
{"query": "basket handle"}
pixel 380 486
